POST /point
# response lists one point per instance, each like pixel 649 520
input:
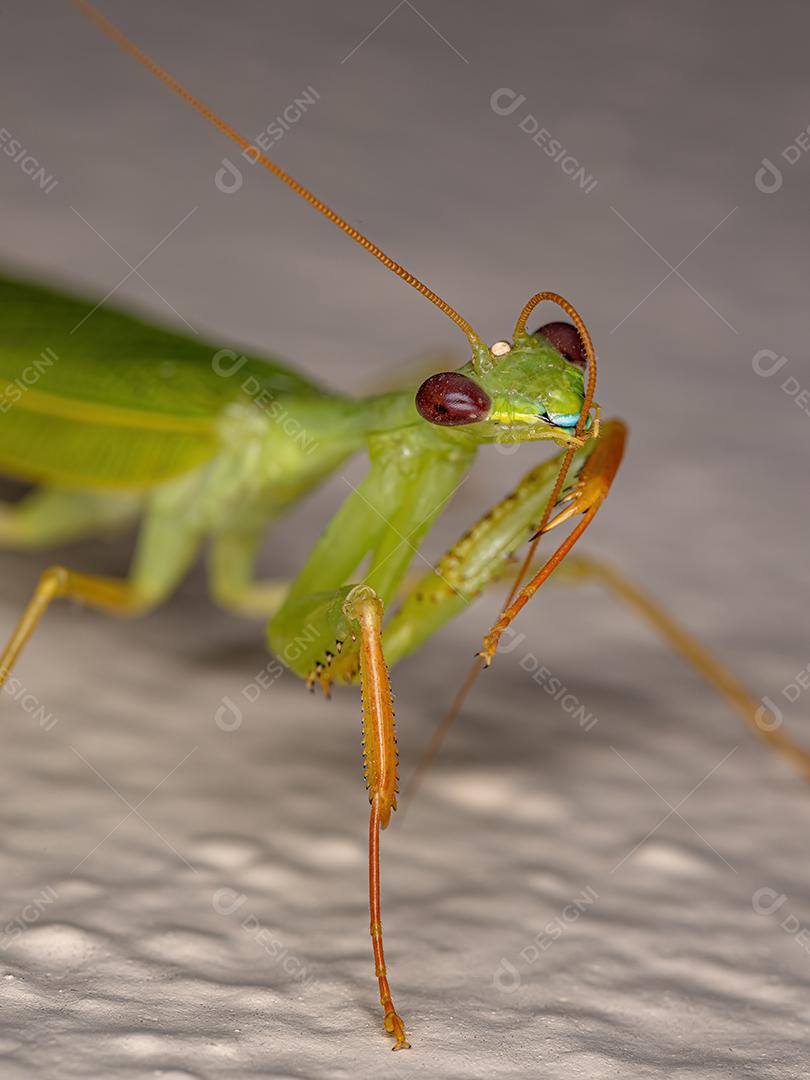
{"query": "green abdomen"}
pixel 98 399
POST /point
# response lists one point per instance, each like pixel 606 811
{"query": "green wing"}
pixel 104 400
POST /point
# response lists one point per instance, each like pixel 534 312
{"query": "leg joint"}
pixel 54 581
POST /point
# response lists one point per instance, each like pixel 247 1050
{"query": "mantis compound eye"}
pixel 565 339
pixel 450 399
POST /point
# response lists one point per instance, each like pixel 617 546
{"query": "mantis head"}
pixel 528 389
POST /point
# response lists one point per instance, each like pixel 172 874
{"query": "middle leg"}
pixel 231 575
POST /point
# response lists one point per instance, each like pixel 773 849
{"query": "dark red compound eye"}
pixel 566 340
pixel 450 398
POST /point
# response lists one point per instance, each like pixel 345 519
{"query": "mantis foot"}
pixel 394 1026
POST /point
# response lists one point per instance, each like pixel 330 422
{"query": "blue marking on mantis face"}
pixel 563 419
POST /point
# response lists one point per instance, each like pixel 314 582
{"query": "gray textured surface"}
pixel 130 971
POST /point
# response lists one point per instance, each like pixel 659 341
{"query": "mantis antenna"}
pixel 480 350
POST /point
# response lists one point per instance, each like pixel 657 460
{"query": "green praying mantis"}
pixel 126 423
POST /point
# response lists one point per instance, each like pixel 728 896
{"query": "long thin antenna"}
pixel 123 42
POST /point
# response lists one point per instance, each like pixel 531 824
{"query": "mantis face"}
pixel 533 389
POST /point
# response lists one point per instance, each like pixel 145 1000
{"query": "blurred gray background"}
pixel 687 260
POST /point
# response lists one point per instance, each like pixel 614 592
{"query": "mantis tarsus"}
pixel 135 423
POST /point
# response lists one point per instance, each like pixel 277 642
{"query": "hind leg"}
pixel 581 568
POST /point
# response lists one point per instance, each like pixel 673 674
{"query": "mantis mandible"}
pixel 138 424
